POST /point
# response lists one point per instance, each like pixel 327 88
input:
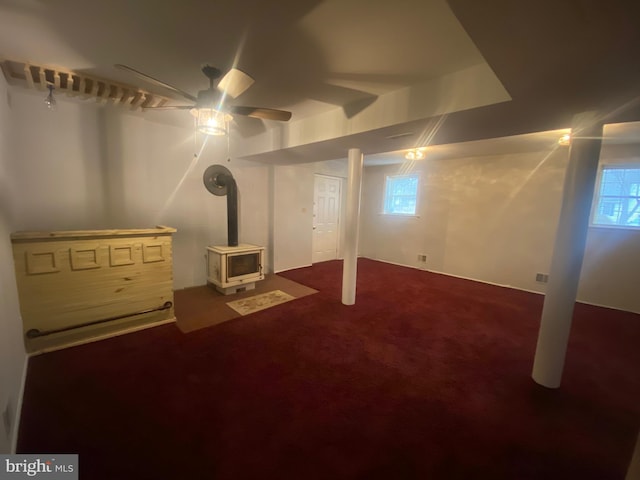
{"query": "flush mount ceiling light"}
pixel 415 154
pixel 565 140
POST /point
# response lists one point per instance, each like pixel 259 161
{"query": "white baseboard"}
pixel 605 306
pixel 292 268
pixel 496 284
pixel 487 282
pixel 18 415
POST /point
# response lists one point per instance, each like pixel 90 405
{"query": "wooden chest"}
pixel 82 285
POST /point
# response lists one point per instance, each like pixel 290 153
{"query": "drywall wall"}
pixel 12 353
pixel 477 217
pixel 293 221
pixel 293 190
pixel 494 219
pixel 155 177
pixel 611 269
pixel 84 166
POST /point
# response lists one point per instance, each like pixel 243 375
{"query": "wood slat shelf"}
pixel 80 85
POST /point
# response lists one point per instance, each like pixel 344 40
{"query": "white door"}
pixel 326 218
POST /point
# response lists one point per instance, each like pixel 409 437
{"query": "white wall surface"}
pixel 293 190
pixel 494 219
pixel 84 166
pixel 611 268
pixel 12 353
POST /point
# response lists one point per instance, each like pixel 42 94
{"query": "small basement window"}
pixel 400 194
pixel 617 202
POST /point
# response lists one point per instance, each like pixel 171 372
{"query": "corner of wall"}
pixel 17 414
pixel 13 358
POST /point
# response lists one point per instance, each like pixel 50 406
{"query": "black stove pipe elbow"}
pixel 219 181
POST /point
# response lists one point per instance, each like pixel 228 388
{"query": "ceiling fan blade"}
pixel 263 113
pixel 235 82
pixel 155 81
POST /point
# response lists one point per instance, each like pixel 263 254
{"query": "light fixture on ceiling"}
pixel 49 101
pixel 211 121
pixel 415 154
pixel 565 140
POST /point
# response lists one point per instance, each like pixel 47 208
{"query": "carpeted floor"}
pixel 201 307
pixel 427 376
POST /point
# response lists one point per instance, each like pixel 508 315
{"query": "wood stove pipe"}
pixel 232 208
pixel 219 181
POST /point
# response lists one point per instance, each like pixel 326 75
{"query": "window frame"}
pixel 629 165
pixel 385 190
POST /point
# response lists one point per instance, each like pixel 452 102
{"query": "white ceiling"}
pixel 314 57
pixel 305 55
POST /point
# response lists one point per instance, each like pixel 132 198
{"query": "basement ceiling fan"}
pixel 209 106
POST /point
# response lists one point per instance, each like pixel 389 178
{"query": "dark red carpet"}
pixel 427 376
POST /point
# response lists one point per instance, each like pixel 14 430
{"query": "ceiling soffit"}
pixel 439 98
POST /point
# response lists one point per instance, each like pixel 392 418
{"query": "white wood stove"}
pixel 232 269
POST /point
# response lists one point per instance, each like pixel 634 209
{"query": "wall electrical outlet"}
pixel 422 257
pixel 542 277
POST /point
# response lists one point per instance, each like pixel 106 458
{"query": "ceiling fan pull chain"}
pixel 195 137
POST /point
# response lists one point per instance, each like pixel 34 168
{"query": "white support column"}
pixel 568 253
pixel 350 265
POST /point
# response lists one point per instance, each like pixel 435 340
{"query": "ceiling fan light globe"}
pixel 212 130
pixel 212 122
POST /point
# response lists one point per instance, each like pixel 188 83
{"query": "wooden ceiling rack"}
pixel 79 85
